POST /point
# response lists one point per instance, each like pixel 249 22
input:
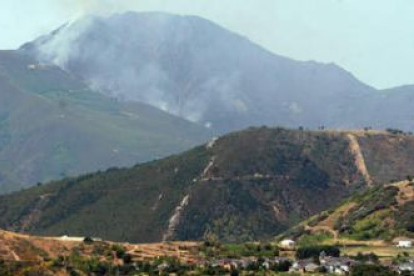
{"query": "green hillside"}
pixel 249 185
pixel 52 125
pixel 381 213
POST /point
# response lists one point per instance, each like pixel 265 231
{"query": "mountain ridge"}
pixel 249 185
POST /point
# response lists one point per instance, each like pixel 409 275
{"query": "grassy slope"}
pixel 261 182
pixel 388 168
pixel 381 213
pixel 52 125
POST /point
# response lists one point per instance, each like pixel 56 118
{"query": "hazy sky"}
pixel 374 39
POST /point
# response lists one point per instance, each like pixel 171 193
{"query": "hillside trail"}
pixel 314 229
pixel 7 253
pixel 15 256
pixel 175 219
pixel 359 158
pixel 328 223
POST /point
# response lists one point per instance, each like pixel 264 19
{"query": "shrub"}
pixel 371 270
pixel 119 251
pixel 127 258
pixel 88 240
pixel 370 257
pixel 283 266
pixel 315 251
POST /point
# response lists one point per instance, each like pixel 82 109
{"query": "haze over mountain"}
pixel 52 125
pixel 193 68
pixel 249 185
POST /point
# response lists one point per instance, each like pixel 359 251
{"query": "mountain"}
pixel 381 213
pixel 395 105
pixel 248 185
pixel 193 68
pixel 52 125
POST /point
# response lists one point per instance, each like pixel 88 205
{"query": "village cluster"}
pixel 322 265
pixel 328 264
pixel 324 262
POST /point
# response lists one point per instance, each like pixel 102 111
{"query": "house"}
pixel 307 265
pixel 246 262
pixel 163 267
pixel 77 239
pixel 312 267
pixel 287 243
pixel 405 244
pixel 72 239
pixel 227 264
pixel 266 264
pixel 337 265
pixel 405 267
pixel 278 260
pixel 199 263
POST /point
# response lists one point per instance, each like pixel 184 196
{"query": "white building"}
pixel 405 244
pixel 72 239
pixel 406 267
pixel 287 243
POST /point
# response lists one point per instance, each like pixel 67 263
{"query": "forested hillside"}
pixel 247 185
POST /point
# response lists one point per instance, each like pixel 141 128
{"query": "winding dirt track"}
pixel 359 158
pixel 323 229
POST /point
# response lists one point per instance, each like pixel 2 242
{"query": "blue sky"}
pixel 374 39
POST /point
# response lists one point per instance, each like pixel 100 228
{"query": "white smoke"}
pixel 63 44
pixel 98 7
pixel 140 57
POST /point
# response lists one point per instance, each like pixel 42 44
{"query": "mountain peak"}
pixel 195 69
